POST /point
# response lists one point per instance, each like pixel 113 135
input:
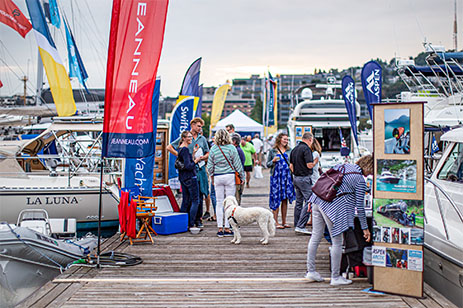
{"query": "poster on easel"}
pixel 398 191
pixel 301 130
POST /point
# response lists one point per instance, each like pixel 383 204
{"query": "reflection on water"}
pixel 403 186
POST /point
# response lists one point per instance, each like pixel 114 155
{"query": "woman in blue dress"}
pixel 281 183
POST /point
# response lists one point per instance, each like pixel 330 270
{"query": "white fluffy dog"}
pixel 238 216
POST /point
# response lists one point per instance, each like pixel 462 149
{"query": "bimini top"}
pixel 439 70
pixel 450 55
pixel 455 135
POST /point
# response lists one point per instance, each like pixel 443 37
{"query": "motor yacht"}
pixel 323 112
pixel 443 241
pixel 388 177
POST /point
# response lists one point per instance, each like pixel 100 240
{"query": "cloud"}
pixel 241 37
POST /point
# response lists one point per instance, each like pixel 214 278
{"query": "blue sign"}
pixel 271 101
pixel 372 82
pixel 139 171
pixel 181 116
pixel 348 93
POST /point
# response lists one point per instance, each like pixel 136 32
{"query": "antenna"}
pixel 25 79
pixel 455 31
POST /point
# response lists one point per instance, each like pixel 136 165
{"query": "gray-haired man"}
pixel 301 163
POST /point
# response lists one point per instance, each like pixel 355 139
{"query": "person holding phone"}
pixel 200 143
pixel 188 178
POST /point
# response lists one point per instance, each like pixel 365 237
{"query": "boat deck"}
pixel 186 270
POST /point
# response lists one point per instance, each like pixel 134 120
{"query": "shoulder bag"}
pixel 179 165
pixel 327 186
pixel 238 180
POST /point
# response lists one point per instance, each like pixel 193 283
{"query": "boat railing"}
pixel 62 165
pixel 449 199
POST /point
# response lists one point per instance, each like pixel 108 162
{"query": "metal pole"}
pixel 100 205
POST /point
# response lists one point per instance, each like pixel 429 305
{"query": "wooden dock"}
pixel 186 270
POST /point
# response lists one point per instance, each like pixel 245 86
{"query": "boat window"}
pixel 452 170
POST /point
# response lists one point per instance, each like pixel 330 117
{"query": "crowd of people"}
pixel 228 162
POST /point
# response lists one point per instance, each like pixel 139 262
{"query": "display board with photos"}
pixel 398 191
pixel 398 148
pixel 301 130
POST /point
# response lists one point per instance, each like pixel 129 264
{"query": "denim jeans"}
pixel 319 221
pixel 190 199
pixel 213 197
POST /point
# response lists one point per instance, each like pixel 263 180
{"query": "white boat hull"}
pixel 57 198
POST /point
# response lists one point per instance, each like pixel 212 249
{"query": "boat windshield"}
pixel 452 170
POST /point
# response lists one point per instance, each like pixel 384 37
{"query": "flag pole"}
pixel 100 205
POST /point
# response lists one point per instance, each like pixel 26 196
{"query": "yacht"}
pixel 323 112
pixel 388 177
pixel 59 171
pixel 439 83
pixel 443 241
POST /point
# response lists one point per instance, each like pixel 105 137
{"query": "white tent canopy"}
pixel 242 123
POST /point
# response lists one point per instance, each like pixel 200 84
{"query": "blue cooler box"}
pixel 170 223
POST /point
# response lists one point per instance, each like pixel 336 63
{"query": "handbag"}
pixel 258 172
pixel 238 180
pixel 179 165
pixel 351 243
pixel 327 186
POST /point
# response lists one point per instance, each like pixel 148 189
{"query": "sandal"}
pixel 280 227
pixel 286 226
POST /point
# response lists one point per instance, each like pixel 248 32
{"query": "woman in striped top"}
pixel 338 216
pixel 222 163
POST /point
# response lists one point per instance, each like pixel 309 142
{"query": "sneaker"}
pixel 199 225
pixel 314 276
pixel 206 215
pixel 228 233
pixel 302 231
pixel 339 281
pixel 220 234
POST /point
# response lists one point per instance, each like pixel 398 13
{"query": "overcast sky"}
pixel 242 37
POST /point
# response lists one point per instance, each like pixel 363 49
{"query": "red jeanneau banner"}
pixel 10 15
pixel 135 43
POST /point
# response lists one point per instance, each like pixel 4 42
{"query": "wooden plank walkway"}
pixel 186 270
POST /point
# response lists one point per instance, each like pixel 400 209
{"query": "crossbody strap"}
pixel 285 159
pixel 226 159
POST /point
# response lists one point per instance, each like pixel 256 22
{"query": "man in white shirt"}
pixel 258 145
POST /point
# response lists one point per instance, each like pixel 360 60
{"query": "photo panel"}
pixel 397 131
pixel 394 175
pixel 398 221
pixel 397 258
pixel 405 236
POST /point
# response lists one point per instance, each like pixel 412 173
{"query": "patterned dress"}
pixel 281 184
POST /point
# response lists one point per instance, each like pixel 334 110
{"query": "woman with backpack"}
pixel 187 178
pixel 281 183
pixel 338 216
